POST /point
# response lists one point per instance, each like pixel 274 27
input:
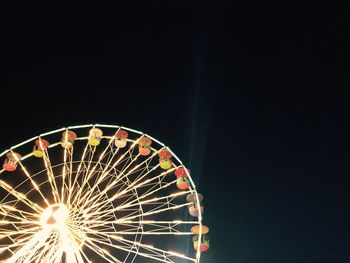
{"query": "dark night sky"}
pixel 252 95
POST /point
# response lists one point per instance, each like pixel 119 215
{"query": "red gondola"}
pixel 193 208
pixel 11 161
pixel 121 137
pixel 204 244
pixel 145 146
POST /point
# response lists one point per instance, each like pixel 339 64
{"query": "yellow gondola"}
pixel 165 159
pixel 39 147
pixel 95 136
pixel 68 138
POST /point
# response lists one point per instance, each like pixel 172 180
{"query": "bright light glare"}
pixel 53 215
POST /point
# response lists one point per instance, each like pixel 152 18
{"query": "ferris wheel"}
pixel 98 193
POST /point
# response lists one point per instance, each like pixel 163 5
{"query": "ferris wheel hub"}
pixel 55 214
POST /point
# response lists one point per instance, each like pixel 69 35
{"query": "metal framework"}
pixel 108 204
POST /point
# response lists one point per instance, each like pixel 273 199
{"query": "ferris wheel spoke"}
pixel 12 246
pixel 102 211
pixel 87 202
pixel 154 253
pixel 145 222
pixel 53 254
pixel 85 161
pixel 158 207
pixel 8 210
pixel 90 173
pixel 67 172
pixel 88 162
pixel 15 215
pixel 152 190
pixel 152 233
pixel 18 226
pixel 144 163
pixel 103 253
pixel 81 162
pixel 32 245
pixel 76 191
pixel 96 192
pixel 17 239
pixel 19 234
pixel 50 173
pixel 102 155
pixel 84 256
pixel 101 176
pixel 137 202
pixel 122 158
pixel 96 205
pixel 127 219
pixel 141 215
pixel 76 255
pixel 91 190
pixel 20 197
pixel 133 186
pixel 157 203
pixel 34 184
pixel 34 251
pixel 129 248
pixel 153 227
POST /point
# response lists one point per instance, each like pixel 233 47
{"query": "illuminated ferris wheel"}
pixel 98 193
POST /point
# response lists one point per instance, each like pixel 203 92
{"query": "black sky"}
pixel 252 95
